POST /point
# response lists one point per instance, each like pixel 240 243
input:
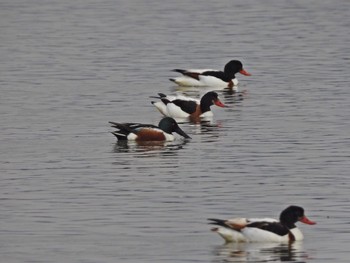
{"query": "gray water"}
pixel 70 193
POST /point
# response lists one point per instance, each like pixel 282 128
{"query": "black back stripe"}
pixel 187 106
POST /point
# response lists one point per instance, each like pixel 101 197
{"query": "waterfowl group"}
pixel 179 106
pixel 182 107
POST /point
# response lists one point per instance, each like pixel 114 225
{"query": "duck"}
pixel 263 229
pixel 186 107
pixel 211 77
pixel 148 132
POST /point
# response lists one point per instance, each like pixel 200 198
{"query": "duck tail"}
pixel 120 136
pixel 182 71
pixel 218 222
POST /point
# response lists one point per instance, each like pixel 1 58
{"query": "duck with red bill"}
pixel 185 107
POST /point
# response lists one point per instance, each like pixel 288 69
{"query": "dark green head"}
pixel 169 125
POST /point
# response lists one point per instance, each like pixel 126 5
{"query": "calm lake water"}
pixel 70 193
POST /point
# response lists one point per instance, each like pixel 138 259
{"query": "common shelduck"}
pixel 211 77
pixel 184 107
pixel 263 229
pixel 148 132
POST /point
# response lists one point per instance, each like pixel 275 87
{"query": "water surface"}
pixel 70 193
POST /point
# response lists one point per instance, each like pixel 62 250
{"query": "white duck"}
pixel 211 77
pixel 186 107
pixel 263 229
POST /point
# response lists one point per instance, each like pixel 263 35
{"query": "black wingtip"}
pixel 162 95
pixel 113 124
pixel 215 221
pixel 179 70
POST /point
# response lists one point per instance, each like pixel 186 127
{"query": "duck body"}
pixel 263 229
pixel 184 107
pixel 197 78
pixel 210 77
pixel 148 132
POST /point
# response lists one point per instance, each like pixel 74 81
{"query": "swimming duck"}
pixel 263 229
pixel 184 107
pixel 148 132
pixel 210 77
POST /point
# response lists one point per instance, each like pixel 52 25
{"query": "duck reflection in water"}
pixel 232 97
pixel 154 147
pixel 260 252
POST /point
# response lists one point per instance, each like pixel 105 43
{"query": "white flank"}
pixel 212 81
pixel 188 82
pixel 204 81
pixel 169 137
pixel 163 109
pixel 132 136
pixel 175 111
pixel 230 235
